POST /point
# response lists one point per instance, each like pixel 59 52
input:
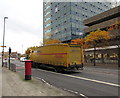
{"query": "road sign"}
pixel 3 46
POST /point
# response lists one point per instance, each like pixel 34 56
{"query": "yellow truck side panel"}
pixel 54 54
pixel 58 55
pixel 75 55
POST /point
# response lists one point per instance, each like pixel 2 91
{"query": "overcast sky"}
pixel 24 26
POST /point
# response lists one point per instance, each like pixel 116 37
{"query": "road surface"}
pixel 89 82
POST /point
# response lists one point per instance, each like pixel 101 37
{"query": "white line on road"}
pixel 43 81
pixel 83 96
pixel 97 81
pixel 76 93
pixel 61 88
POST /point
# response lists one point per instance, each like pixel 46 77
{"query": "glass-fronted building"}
pixel 64 20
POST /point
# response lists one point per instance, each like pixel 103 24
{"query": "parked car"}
pixel 22 59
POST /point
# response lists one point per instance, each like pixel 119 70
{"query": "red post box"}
pixel 28 64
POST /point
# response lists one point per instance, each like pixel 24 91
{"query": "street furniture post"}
pixel 9 56
pixel 3 41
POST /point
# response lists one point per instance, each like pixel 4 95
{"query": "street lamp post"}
pixel 3 41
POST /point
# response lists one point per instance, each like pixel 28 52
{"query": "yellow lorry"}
pixel 60 56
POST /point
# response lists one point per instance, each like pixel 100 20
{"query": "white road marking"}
pixel 70 91
pixel 97 81
pixel 44 81
pixel 61 88
pixel 111 84
pixel 83 95
pixel 76 93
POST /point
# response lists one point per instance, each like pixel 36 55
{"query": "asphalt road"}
pixel 89 82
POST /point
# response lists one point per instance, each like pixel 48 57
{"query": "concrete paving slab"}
pixel 15 85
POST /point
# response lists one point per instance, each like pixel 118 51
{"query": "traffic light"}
pixel 9 50
pixel 9 57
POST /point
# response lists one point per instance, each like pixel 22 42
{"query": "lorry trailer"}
pixel 60 56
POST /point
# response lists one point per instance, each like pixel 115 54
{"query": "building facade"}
pixel 64 20
pixel 13 55
pixel 110 22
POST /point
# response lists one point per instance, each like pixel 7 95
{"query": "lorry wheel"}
pixel 59 70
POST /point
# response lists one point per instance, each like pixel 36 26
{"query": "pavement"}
pixel 13 84
pixel 102 65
